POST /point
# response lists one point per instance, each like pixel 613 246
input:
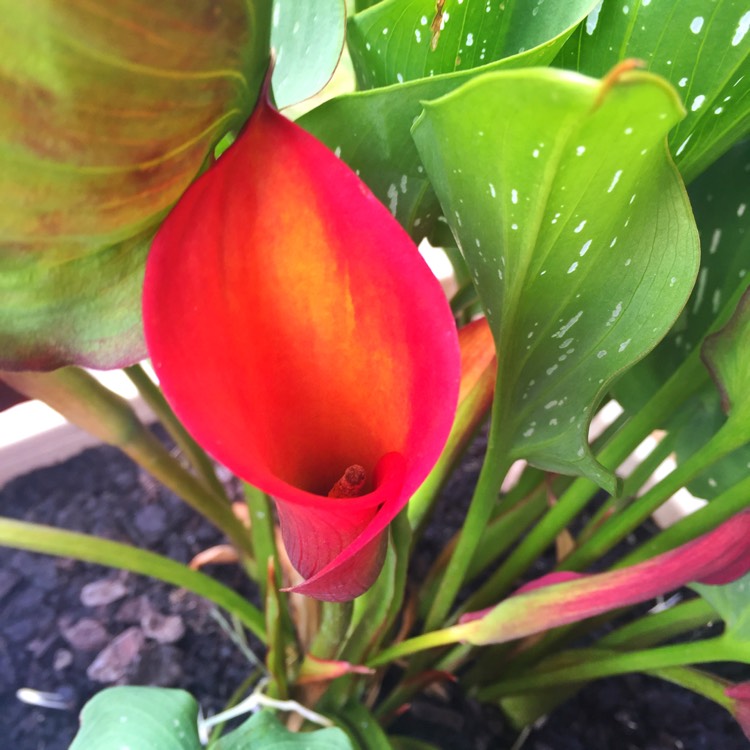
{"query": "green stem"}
pixel 82 400
pixel 335 618
pixel 51 541
pixel 152 395
pixel 477 517
pixel 263 535
pixel 688 378
pixel 707 685
pixel 414 645
pixel 628 519
pixel 588 664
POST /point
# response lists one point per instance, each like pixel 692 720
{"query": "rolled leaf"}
pixel 716 558
pixel 299 335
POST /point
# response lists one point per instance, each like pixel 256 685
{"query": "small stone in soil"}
pixel 104 591
pixel 62 660
pixel 112 663
pixel 85 635
pixel 163 628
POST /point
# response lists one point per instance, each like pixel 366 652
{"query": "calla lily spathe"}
pixel 297 332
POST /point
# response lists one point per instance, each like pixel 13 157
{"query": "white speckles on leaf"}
pixel 742 28
pixel 593 18
pixel 615 314
pixel 741 209
pixel 580 150
pixel 423 20
pixel 535 153
pixel 560 333
pixel 682 145
pixel 550 370
pixel 585 248
pixel 697 102
pixel 514 227
pixel 514 196
pixel 628 131
pixel 614 242
pixel 696 25
pixel 392 194
pixel 624 345
pixel 715 239
pixel 469 40
pixel 493 193
pixel 601 353
pixel 682 82
pixel 580 227
pixel 615 180
pixel 573 267
pixel 404 180
pixel 418 35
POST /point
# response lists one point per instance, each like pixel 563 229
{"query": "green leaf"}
pixel 308 39
pixel 51 541
pixel 732 603
pixel 362 727
pixel 700 47
pixel 264 731
pixel 84 309
pixel 403 40
pixel 579 235
pixel 719 198
pixel 370 131
pixel 146 718
pixel 109 111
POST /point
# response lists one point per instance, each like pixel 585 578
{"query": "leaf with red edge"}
pixel 740 694
pixel 719 557
pixel 297 332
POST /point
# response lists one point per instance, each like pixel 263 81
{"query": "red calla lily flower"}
pixel 303 341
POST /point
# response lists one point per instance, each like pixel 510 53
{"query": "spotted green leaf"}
pixel 403 40
pixel 702 47
pixel 264 731
pixel 376 142
pixel 720 198
pixel 308 39
pixel 579 235
pixel 109 110
pixel 139 717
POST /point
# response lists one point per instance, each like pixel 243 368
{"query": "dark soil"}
pixel 55 636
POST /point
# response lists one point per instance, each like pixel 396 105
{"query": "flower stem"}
pixel 152 395
pixel 479 513
pixel 335 618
